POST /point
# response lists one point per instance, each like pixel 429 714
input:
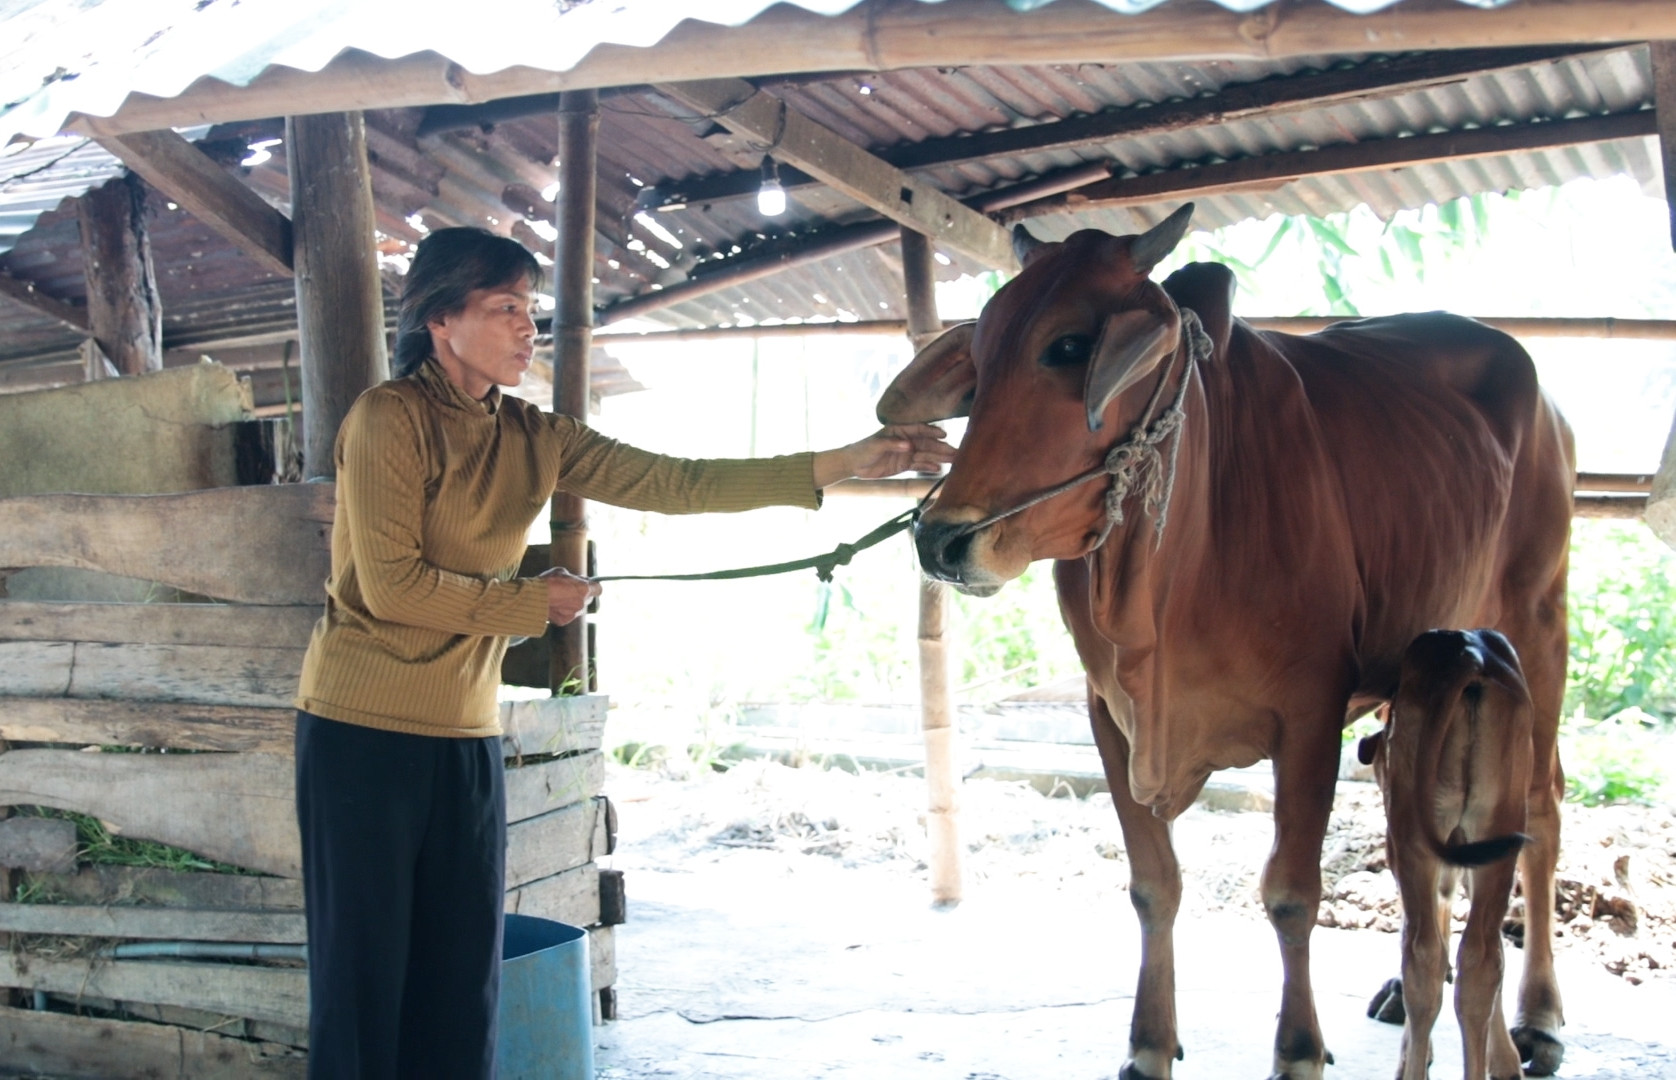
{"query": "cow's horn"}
pixel 1151 247
pixel 1024 243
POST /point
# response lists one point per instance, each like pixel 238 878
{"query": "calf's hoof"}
pixel 1540 1052
pixel 1130 1072
pixel 1386 1006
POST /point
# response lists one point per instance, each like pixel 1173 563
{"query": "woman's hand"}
pixel 567 594
pixel 888 451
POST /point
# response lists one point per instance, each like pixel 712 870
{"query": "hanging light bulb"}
pixel 771 197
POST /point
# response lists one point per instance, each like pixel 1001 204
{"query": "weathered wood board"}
pixel 261 993
pixel 539 787
pixel 53 1044
pixel 202 674
pixel 554 725
pixel 165 432
pixel 240 808
pixel 105 884
pixel 281 626
pixel 155 924
pixel 571 897
pixel 561 840
pixel 46 845
pixel 255 545
pixel 602 956
pixel 234 808
pixel 166 724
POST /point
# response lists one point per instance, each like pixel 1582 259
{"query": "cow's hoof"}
pixel 1540 1052
pixel 1129 1072
pixel 1386 1006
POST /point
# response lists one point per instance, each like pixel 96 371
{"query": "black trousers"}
pixel 404 869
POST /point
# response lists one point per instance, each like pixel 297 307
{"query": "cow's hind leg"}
pixel 1304 775
pixel 1155 890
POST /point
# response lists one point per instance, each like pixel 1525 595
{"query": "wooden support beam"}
pixel 340 296
pixel 942 778
pixel 790 136
pixel 1269 171
pixel 1664 103
pixel 569 670
pixel 209 193
pixel 884 36
pixel 29 295
pixel 1378 79
pixel 124 313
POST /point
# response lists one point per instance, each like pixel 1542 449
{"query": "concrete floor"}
pixel 747 965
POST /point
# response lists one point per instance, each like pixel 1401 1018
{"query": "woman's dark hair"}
pixel 449 264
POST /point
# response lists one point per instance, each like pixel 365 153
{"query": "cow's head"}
pixel 1058 367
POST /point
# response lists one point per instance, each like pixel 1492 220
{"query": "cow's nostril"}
pixel 943 549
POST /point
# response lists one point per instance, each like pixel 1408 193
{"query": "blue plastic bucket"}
pixel 546 1002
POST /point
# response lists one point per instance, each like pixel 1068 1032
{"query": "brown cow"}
pixel 1282 516
pixel 1454 761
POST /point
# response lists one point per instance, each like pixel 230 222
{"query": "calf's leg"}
pixel 1155 890
pixel 1478 972
pixel 1424 954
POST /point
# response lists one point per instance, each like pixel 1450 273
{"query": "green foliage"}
pixel 95 843
pixel 1612 760
pixel 1017 631
pixel 1623 621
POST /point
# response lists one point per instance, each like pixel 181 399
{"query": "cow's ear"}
pixel 937 384
pixel 1130 344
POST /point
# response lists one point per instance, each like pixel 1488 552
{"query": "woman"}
pixel 400 790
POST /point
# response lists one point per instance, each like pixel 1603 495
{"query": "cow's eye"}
pixel 1070 349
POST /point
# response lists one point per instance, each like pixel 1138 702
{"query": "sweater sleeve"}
pixel 602 469
pixel 381 493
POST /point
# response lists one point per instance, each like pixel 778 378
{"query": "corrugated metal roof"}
pixel 481 174
pixel 87 56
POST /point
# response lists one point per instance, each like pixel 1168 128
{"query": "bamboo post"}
pixel 340 297
pixel 573 322
pixel 1661 501
pixel 942 779
pixel 124 314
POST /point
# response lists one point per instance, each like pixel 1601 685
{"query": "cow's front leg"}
pixel 1155 890
pixel 1304 776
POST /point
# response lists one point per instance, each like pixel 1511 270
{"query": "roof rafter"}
pixel 29 295
pixel 1269 171
pixel 790 136
pixel 209 193
pixel 1262 99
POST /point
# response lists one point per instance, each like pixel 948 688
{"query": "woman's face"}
pixel 488 342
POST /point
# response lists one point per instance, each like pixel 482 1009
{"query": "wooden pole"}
pixel 1664 105
pixel 1661 501
pixel 573 329
pixel 124 314
pixel 942 779
pixel 340 299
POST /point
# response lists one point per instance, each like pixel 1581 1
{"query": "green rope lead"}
pixel 823 565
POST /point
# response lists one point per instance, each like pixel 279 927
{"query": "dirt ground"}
pixel 780 927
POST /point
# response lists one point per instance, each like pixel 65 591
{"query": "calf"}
pixel 1454 764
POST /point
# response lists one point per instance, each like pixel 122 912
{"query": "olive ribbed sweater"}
pixel 436 492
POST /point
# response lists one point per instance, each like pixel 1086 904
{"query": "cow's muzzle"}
pixel 944 547
pixel 947 553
